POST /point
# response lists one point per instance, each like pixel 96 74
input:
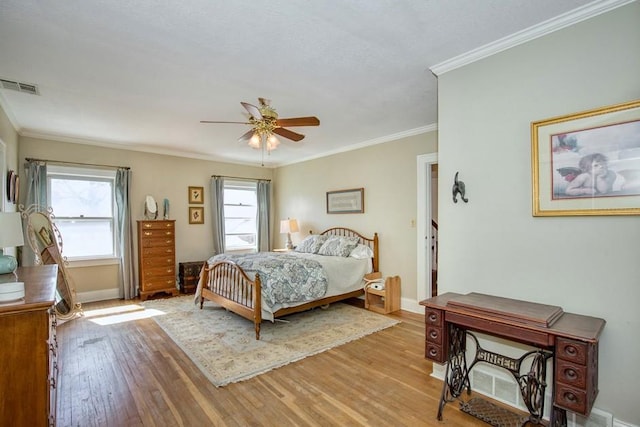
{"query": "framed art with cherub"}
pixel 587 163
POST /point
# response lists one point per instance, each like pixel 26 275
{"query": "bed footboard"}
pixel 228 285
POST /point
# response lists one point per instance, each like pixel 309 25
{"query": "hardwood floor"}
pixel 132 374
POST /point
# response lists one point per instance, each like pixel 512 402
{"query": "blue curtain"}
pixel 37 196
pixel 124 230
pixel 264 207
pixel 217 209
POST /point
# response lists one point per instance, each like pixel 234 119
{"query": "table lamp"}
pixel 289 226
pixel 10 236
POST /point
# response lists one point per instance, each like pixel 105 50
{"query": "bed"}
pixel 269 285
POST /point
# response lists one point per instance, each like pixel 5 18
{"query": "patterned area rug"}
pixel 223 344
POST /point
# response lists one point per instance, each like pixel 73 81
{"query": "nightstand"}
pixel 383 301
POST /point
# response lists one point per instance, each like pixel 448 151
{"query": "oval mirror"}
pixel 150 208
pixel 45 241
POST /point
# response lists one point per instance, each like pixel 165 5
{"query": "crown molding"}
pixel 559 22
pixel 375 141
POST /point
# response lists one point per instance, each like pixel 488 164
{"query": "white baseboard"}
pixel 618 423
pixel 411 305
pixel 101 295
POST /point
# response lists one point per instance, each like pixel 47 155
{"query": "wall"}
pixel 9 137
pixel 493 244
pixel 162 177
pixel 387 172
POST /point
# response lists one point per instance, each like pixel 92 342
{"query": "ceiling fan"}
pixel 265 123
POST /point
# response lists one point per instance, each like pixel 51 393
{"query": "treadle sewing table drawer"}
pixel 188 275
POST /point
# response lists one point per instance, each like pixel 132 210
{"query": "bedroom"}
pixel 542 259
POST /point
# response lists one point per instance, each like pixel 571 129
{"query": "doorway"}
pixel 427 175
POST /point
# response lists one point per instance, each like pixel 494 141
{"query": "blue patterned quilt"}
pixel 285 278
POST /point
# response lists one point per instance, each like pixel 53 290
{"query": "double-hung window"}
pixel 83 203
pixel 240 216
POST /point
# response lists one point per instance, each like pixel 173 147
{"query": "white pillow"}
pixel 361 252
pixel 338 246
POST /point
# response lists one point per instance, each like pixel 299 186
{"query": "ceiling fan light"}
pixel 272 142
pixel 254 142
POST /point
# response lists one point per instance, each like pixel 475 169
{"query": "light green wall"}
pixel 387 172
pixel 9 137
pixel 493 244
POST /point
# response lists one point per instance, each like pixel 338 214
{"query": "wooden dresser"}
pixel 28 354
pixel 156 257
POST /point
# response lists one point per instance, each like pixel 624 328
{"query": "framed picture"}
pixel 345 201
pixel 45 236
pixel 587 163
pixel 196 195
pixel 196 215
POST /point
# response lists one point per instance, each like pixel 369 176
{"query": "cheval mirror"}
pixel 46 242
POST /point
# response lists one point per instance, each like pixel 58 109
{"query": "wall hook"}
pixel 458 188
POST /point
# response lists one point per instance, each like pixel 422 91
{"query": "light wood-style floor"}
pixel 133 374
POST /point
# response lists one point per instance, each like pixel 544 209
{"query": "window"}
pixel 83 203
pixel 240 216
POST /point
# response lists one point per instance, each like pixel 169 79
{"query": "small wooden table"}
pixel 571 340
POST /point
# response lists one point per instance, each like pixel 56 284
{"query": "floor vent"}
pixel 19 86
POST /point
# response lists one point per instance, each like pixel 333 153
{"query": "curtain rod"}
pixel 240 178
pixel 29 159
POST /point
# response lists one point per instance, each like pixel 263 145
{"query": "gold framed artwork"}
pixel 587 163
pixel 345 201
pixel 196 195
pixel 196 215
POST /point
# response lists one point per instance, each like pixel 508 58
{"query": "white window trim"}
pixel 87 172
pixel 245 185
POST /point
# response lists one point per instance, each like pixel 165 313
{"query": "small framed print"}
pixel 196 215
pixel 196 195
pixel 345 201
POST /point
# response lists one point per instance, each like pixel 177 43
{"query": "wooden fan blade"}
pixel 298 121
pixel 213 121
pixel 246 137
pixel 253 110
pixel 289 134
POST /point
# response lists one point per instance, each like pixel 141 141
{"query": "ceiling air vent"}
pixel 19 86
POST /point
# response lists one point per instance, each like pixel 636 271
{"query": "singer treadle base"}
pixel 493 414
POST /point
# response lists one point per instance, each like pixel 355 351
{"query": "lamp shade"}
pixel 10 230
pixel 288 226
pixel 10 236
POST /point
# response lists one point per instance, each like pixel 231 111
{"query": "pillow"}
pixel 361 252
pixel 311 244
pixel 338 246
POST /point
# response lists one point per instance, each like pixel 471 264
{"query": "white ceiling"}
pixel 142 74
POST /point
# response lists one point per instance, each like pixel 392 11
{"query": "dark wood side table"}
pixel 29 369
pixel 188 275
pixel 571 340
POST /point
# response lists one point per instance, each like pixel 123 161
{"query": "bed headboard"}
pixel 371 242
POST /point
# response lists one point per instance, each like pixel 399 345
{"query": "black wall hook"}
pixel 458 188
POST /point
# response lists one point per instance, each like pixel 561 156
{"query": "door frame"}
pixel 424 162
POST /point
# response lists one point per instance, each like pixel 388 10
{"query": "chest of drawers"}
pixel 29 368
pixel 156 258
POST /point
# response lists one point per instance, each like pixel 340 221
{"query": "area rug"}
pixel 223 345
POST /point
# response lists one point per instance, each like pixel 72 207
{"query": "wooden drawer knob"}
pixel 570 373
pixel 433 334
pixel 570 397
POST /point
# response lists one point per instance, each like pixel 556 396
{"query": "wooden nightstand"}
pixel 383 301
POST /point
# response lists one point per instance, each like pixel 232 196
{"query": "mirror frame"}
pixel 64 285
